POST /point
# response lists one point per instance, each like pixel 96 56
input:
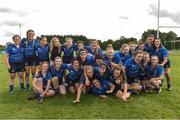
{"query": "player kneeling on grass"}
pixel 119 80
pixel 42 83
pixel 155 72
pixel 143 73
pixel 132 68
pixel 74 75
pixel 85 81
pixel 58 74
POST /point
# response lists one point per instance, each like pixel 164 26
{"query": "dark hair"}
pixel 82 50
pixel 138 52
pixel 131 43
pixel 75 59
pixel 42 37
pixel 94 40
pixel 30 30
pixel 122 73
pixel 15 36
pixel 161 45
pixel 151 35
pixel 98 56
pixel 141 42
pixel 106 74
pixel 80 42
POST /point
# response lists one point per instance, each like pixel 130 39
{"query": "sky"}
pixel 99 19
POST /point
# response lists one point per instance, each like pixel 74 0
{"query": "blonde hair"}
pixel 68 38
pixel 56 58
pixel 52 44
pixel 109 48
pixel 88 67
pixel 123 46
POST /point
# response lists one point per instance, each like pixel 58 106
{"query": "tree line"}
pixel 165 37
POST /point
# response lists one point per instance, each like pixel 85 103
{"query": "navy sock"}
pixel 11 88
pixel 38 95
pixel 22 85
pixel 142 87
pixel 27 86
pixel 33 74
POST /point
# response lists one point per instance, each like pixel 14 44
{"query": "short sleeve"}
pixel 160 71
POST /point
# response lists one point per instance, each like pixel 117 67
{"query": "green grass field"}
pixel 156 106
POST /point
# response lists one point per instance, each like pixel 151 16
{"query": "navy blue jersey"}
pixel 55 52
pixel 150 49
pixel 116 59
pixel 91 51
pixel 132 68
pixel 155 72
pixel 74 74
pixel 161 53
pixel 105 86
pixel 29 47
pixel 143 73
pixel 58 73
pixel 43 52
pixel 68 52
pixel 15 54
pixel 123 56
pixel 45 78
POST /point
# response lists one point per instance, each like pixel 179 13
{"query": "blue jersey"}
pixel 123 56
pixel 43 52
pixel 55 52
pixel 143 73
pixel 132 68
pixel 88 61
pixel 45 78
pixel 161 53
pixel 29 47
pixel 150 49
pixel 105 86
pixel 91 51
pixel 74 74
pixel 15 54
pixel 155 72
pixel 116 59
pixel 68 52
pixel 58 73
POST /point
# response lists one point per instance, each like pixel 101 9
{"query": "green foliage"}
pixel 144 106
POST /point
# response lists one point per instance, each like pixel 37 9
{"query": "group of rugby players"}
pixel 57 68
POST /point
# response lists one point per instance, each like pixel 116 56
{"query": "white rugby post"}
pixel 20 29
pixel 158 17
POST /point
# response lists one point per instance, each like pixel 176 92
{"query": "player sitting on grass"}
pixel 42 83
pixel 155 72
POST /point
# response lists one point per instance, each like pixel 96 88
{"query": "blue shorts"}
pixel 67 59
pixel 31 61
pixel 132 80
pixel 168 64
pixel 40 61
pixel 143 77
pixel 71 82
pixel 16 67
